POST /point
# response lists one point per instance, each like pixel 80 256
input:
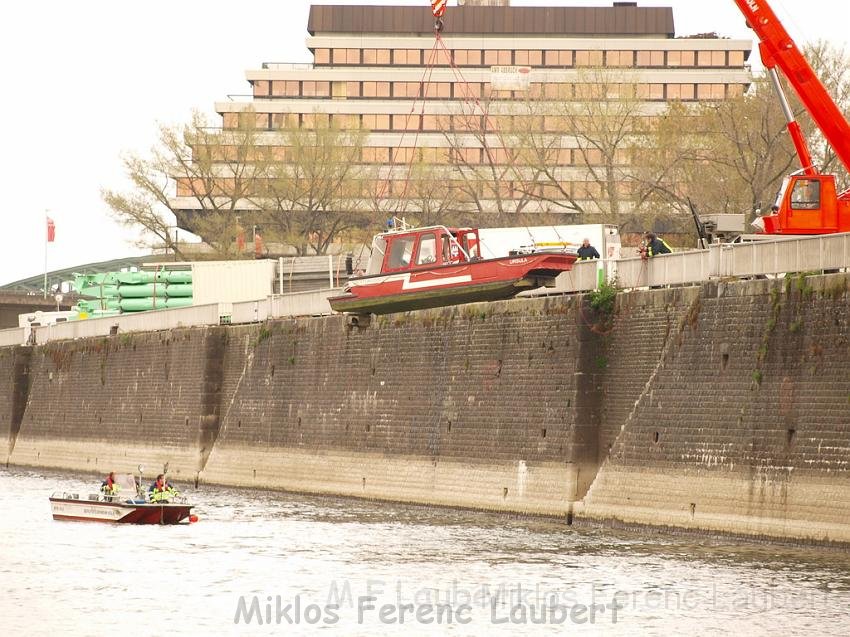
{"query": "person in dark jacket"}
pixel 587 251
pixel 655 245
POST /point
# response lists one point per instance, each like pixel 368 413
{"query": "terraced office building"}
pixel 495 63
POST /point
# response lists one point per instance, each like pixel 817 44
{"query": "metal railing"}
pixel 14 336
pixel 774 257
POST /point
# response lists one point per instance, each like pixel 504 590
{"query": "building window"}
pixel 405 122
pixel 322 56
pixel 736 59
pixel 650 58
pixel 230 120
pixel 407 57
pixel 704 58
pixel 588 58
pixel 261 88
pixel 620 58
pixel 285 120
pixel 558 58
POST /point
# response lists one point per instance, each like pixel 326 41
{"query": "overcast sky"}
pixel 84 81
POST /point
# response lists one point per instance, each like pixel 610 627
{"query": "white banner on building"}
pixel 510 78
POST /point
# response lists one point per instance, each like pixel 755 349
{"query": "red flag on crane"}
pixel 438 8
pixel 51 230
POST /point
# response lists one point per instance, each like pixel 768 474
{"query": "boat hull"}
pixel 115 511
pixel 423 288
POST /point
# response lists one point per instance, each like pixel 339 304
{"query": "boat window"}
pixel 806 195
pixel 427 249
pixel 401 249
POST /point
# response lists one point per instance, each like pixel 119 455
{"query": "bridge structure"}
pixel 27 295
pixel 293 274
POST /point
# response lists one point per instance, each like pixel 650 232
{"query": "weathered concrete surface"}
pixel 724 408
pixel 111 403
pixel 14 393
pixel 546 488
pixel 744 425
pixel 474 406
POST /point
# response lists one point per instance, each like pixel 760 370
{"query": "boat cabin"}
pixel 423 248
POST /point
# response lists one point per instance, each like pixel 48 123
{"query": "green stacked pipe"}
pixel 134 291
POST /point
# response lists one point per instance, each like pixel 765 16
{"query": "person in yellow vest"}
pixel 109 487
pixel 160 491
pixel 655 245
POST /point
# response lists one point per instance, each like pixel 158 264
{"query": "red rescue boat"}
pixel 414 269
pixel 69 506
pixel 128 504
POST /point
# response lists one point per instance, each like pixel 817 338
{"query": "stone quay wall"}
pixel 720 408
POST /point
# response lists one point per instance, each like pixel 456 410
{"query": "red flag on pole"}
pixel 258 245
pixel 51 230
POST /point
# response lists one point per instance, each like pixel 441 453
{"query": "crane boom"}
pixel 778 50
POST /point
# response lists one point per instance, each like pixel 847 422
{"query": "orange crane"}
pixel 808 202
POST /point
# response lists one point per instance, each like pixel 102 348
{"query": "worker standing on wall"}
pixel 654 245
pixel 587 251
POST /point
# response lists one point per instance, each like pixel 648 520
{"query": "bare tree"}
pixel 216 170
pixel 425 195
pixel 832 66
pixel 727 156
pixel 313 194
pixel 606 116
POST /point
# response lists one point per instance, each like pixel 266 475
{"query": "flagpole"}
pixel 46 217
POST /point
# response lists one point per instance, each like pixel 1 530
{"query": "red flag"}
pixel 51 230
pixel 258 245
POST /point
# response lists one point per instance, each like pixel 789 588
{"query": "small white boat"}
pixel 129 506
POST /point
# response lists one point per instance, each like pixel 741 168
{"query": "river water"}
pixel 338 566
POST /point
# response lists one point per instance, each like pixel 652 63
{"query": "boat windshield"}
pixel 401 251
pixel 127 485
pixel 376 259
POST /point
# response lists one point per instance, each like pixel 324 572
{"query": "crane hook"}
pixel 438 8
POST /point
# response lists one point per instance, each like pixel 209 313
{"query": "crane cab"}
pixel 808 204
